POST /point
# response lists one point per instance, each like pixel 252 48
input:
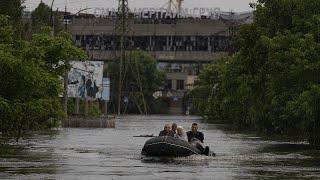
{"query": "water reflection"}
pixel 24 160
pixel 115 154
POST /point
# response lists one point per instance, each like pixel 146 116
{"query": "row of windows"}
pixel 157 43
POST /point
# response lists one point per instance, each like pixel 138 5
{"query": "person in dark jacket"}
pixel 195 138
pixel 194 133
pixel 167 131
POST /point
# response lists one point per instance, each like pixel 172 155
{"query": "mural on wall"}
pixel 85 79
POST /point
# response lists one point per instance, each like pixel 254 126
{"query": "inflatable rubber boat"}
pixel 166 146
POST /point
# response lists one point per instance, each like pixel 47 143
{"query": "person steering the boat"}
pixel 166 131
pixel 195 138
pixel 194 133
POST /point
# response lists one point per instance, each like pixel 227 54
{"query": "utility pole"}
pixel 122 33
pixel 65 82
pixel 174 7
pixel 169 6
pixel 121 30
pixel 52 17
pixel 179 2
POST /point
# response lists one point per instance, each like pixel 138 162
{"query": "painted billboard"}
pixel 85 79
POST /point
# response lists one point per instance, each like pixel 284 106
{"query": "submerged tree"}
pixel 140 75
pixel 29 94
pixel 29 79
pixel 271 83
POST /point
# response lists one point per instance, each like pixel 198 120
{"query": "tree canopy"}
pixel 29 79
pixel 272 82
pixel 42 16
pixel 12 8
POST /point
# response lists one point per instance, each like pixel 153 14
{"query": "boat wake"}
pixel 195 158
pixel 191 160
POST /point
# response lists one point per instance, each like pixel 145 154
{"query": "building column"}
pixel 150 43
pixel 174 84
pixel 209 43
pixel 171 42
pixel 80 41
pixel 167 43
pixel 87 44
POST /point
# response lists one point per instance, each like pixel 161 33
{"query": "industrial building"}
pixel 181 46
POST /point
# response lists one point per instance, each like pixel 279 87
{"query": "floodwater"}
pixel 72 153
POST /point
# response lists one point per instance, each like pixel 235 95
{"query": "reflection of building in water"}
pixel 182 46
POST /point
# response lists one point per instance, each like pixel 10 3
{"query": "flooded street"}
pixel 72 153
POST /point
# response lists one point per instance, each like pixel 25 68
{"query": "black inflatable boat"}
pixel 169 147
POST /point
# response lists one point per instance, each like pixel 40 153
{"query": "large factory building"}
pixel 181 46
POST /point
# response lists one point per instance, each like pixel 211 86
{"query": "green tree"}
pixel 55 52
pixel 271 83
pixel 42 16
pixel 143 68
pixel 13 9
pixel 28 93
pixel 29 79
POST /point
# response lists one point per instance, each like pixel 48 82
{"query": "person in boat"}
pixel 181 134
pixel 194 133
pixel 174 128
pixel 166 131
pixel 195 138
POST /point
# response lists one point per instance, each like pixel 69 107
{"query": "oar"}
pixel 145 136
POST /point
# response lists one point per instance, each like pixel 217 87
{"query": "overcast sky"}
pixel 75 5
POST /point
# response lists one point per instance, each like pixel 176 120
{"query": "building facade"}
pixel 181 46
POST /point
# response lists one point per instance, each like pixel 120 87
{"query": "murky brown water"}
pixel 115 154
